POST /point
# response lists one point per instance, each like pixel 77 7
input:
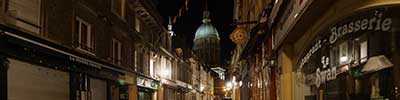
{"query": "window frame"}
pixel 116 59
pixel 26 23
pixel 358 49
pixel 122 14
pixel 89 36
pixel 138 24
pixel 344 52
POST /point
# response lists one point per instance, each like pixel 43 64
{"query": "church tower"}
pixel 207 42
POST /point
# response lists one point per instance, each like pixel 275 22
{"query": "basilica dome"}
pixel 206 30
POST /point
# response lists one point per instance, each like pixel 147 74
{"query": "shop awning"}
pixel 376 63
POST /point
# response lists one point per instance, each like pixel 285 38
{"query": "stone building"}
pixel 251 71
pixel 337 49
pixel 206 43
pixel 83 50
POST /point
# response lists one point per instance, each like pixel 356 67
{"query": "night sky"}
pixel 221 12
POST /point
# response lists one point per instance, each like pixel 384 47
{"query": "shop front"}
pixel 52 71
pixel 355 58
pixel 168 91
pixel 146 88
pixel 44 83
pixel 183 90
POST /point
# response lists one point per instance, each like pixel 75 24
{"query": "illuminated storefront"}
pixel 146 88
pixel 355 58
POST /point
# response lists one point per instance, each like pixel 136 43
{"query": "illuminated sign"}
pixel 146 82
pixel 371 21
pixel 376 21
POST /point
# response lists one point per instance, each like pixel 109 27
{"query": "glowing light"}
pixel 201 88
pixel 121 82
pixel 297 14
pixel 229 85
pixel 343 59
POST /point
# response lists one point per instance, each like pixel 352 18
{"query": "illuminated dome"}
pixel 206 35
pixel 206 43
pixel 206 30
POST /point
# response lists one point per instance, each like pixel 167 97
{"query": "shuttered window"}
pixel 26 14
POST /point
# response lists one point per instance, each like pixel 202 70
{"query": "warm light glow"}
pixel 229 85
pixel 164 73
pixel 201 88
pixel 343 59
pixel 165 69
pixel 152 67
pixel 346 67
pixel 240 83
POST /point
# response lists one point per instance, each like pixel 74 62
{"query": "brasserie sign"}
pixel 377 21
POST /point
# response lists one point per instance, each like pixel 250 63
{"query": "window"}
pixel 26 14
pixel 152 63
pixel 344 51
pixel 118 7
pixel 139 60
pixel 334 56
pixel 138 24
pixel 85 35
pixel 135 64
pixel 116 51
pixel 363 51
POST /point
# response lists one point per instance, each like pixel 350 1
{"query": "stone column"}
pixel 132 92
pixel 3 77
pixel 286 77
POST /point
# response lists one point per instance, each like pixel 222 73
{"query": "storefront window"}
pixel 169 94
pixel 361 49
pixel 362 55
pixel 144 95
pixel 343 51
pixel 334 56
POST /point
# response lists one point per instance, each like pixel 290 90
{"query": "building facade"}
pixel 251 68
pixel 206 43
pixel 206 46
pixel 331 50
pixel 87 50
pixel 68 50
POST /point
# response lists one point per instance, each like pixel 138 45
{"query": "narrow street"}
pixel 199 49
